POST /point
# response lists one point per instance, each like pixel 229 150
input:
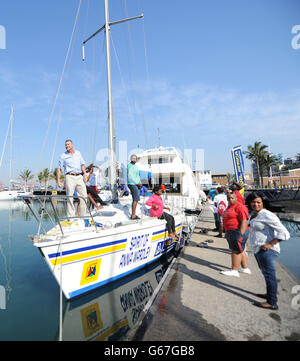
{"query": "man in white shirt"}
pixel 221 203
pixel 73 166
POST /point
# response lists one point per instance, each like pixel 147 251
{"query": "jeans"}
pixel 170 221
pixel 267 263
pixel 217 221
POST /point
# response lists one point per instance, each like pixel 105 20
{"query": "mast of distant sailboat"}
pixel 9 129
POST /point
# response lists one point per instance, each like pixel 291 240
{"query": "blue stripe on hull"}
pixel 164 230
pixel 55 255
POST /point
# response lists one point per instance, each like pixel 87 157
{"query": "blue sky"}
pixel 216 74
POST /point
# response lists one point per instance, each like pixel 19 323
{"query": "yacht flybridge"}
pixel 167 167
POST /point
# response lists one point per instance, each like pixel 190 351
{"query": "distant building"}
pixel 287 179
pixel 289 161
pixel 254 170
pixel 221 179
pixel 203 179
pixel 249 179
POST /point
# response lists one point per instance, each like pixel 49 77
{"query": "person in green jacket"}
pixel 134 183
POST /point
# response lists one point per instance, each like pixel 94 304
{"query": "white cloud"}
pixel 222 111
pixel 189 115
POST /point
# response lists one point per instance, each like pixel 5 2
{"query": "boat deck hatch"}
pixel 106 214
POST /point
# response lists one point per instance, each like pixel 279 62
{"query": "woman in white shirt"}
pixel 266 231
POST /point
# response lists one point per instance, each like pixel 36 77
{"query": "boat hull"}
pixel 8 195
pixel 85 264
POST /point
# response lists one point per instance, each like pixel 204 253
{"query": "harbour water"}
pixel 30 310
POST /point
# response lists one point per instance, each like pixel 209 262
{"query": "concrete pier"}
pixel 198 303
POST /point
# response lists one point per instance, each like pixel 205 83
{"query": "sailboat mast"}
pixel 10 148
pixel 111 132
pixel 111 123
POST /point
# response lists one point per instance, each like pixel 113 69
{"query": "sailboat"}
pixel 86 253
pixel 9 194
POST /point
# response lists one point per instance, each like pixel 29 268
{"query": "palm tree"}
pixel 54 174
pixel 40 178
pixel 231 178
pixel 270 160
pixel 46 176
pixel 26 175
pixel 257 154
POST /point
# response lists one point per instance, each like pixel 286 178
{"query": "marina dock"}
pixel 197 303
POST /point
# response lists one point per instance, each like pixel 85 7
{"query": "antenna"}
pixel 158 137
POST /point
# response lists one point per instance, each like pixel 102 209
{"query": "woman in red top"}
pixel 235 188
pixel 235 222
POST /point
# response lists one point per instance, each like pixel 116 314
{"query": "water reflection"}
pixel 109 313
pixel 18 209
pixel 292 222
pixel 5 251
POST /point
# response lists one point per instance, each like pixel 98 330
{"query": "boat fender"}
pixel 108 225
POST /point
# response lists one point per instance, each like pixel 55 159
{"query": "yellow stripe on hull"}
pixel 111 330
pixel 89 254
pixel 163 235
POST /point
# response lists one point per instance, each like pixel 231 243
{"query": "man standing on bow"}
pixel 134 183
pixel 73 166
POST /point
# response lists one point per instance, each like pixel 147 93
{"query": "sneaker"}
pixel 245 270
pixel 231 272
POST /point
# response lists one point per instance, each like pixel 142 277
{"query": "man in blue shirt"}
pixel 143 191
pixel 73 166
pixel 212 193
pixel 123 190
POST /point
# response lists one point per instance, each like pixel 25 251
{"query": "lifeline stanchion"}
pixel 60 294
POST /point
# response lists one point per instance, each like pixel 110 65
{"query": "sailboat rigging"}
pixel 9 194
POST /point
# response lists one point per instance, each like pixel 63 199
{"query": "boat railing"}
pixel 50 199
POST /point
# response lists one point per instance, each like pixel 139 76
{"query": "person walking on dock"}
pixel 221 203
pixel 235 222
pixel 73 166
pixel 266 231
